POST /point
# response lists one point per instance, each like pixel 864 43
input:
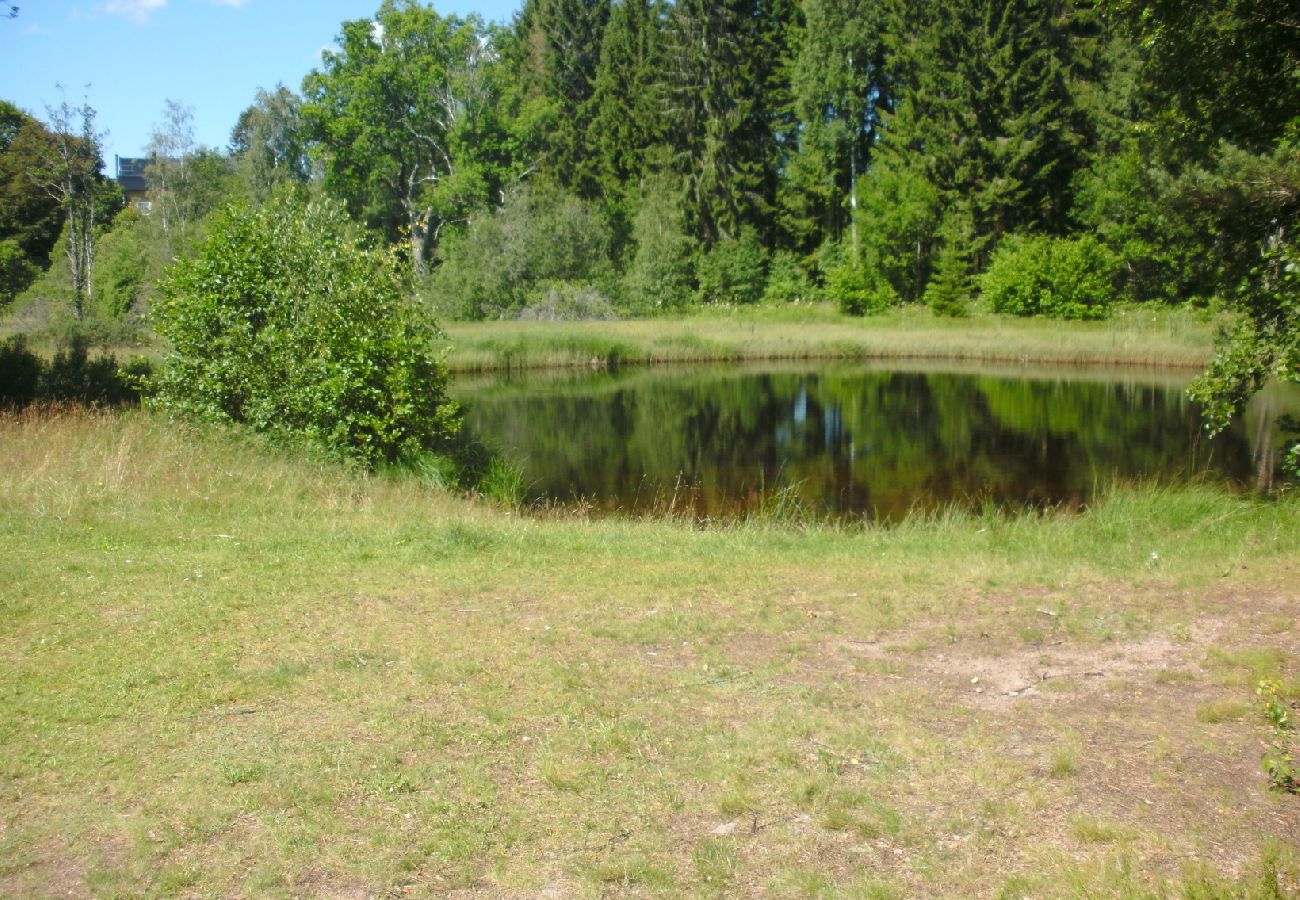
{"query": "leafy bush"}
pixel 563 301
pixel 124 264
pixel 16 270
pixel 540 236
pixel 733 271
pixel 1066 278
pixel 20 373
pixel 659 275
pixel 787 281
pixel 1264 345
pixel 285 321
pixel 858 291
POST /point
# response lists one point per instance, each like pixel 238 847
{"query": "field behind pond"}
pixel 1132 336
pixel 225 670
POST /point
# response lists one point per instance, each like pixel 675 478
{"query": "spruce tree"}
pixel 986 123
pixel 628 95
pixel 838 87
pixel 557 48
pixel 723 106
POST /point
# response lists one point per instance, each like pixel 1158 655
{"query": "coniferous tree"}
pixel 629 95
pixel 556 54
pixel 838 87
pixel 985 124
pixel 723 110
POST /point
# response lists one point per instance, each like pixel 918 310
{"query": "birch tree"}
pixel 69 172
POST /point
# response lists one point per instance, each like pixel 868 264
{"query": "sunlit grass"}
pixel 1138 336
pixel 226 670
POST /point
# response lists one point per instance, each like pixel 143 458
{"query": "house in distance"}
pixel 131 179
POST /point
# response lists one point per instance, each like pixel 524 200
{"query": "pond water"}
pixel 858 440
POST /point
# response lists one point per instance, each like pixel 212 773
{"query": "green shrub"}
pixel 285 321
pixel 787 282
pixel 16 270
pixel 123 263
pixel 948 291
pixel 538 237
pixel 857 291
pixel 1065 278
pixel 659 275
pixel 20 373
pixel 563 301
pixel 733 271
pixel 71 377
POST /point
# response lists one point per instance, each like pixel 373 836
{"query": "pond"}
pixel 858 440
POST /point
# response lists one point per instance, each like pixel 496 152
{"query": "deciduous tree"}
pixel 398 111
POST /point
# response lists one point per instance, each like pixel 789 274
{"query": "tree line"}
pixel 662 153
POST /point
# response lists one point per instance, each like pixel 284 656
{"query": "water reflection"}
pixel 857 440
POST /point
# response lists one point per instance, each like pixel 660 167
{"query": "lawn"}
pixel 228 670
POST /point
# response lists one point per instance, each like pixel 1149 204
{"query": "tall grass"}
pixel 1132 337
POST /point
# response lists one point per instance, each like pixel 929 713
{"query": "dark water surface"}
pixel 857 439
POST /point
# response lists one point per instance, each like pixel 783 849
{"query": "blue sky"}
pixel 211 55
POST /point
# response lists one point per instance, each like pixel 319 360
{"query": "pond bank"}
pixel 1132 337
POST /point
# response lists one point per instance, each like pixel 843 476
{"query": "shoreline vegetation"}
pixel 279 675
pixel 1175 338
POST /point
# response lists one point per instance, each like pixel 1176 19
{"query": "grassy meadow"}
pixel 1132 336
pixel 226 670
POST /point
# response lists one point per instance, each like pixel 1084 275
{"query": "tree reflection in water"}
pixel 849 441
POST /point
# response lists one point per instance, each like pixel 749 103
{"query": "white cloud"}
pixel 138 11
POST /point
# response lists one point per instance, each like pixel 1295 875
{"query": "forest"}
pixel 614 158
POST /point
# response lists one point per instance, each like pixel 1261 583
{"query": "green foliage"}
pixel 1126 204
pixel 627 123
pixel 724 100
pixel 72 376
pixel 1217 70
pixel 20 373
pixel 900 222
pixel 30 217
pixel 838 85
pixel 858 291
pixel 126 260
pixel 564 301
pixel 1066 278
pixel 269 143
pixel 787 282
pixel 733 271
pixel 1264 344
pixel 286 322
pixel 1278 760
pixel 949 290
pixel 404 113
pixel 557 54
pixel 17 270
pixel 985 125
pixel 660 273
pixel 507 259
